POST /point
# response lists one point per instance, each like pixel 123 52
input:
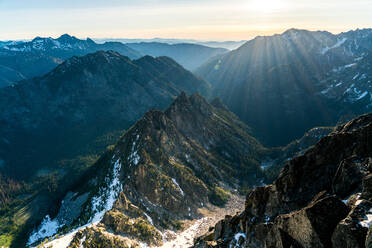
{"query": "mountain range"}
pixel 230 45
pixel 26 59
pixel 21 60
pixel 288 82
pixel 108 150
pixel 190 56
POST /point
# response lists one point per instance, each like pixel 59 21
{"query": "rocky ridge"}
pixel 164 169
pixel 321 198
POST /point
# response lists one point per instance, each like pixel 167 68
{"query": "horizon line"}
pixel 276 32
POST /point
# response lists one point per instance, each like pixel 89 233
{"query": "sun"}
pixel 266 6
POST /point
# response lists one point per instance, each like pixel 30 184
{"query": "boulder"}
pixel 313 225
pixel 351 232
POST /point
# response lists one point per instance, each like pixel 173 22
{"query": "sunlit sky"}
pixel 196 19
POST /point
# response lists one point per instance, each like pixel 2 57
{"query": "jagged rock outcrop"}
pixel 304 207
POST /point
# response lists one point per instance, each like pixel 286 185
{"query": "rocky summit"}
pixel 164 169
pixel 320 199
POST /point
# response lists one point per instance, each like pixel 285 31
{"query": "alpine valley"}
pixel 121 145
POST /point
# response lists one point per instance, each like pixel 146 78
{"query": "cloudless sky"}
pixel 197 19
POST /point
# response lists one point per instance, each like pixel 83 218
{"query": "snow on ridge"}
pixel 149 218
pixel 356 76
pixel 349 65
pixel 343 67
pixel 362 95
pixel 105 201
pixel 338 43
pixel 47 228
pixel 134 157
pixel 100 204
pixel 178 186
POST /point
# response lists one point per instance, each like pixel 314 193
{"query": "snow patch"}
pixel 358 59
pixel 47 228
pixel 187 156
pixel 266 164
pixel 134 157
pixel 149 218
pixel 349 65
pixel 362 95
pixel 364 76
pixel 367 219
pixel 236 239
pixel 178 186
pixel 185 238
pixel 325 91
pixel 338 44
pixel 100 204
pixel 107 195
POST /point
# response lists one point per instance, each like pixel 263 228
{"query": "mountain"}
pixel 280 82
pixel 350 84
pixel 166 167
pixel 82 99
pixel 321 198
pixel 67 46
pixel 41 55
pixel 10 42
pixel 191 56
pixel 8 76
pixel 53 128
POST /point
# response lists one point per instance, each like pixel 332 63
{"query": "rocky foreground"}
pixel 321 199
